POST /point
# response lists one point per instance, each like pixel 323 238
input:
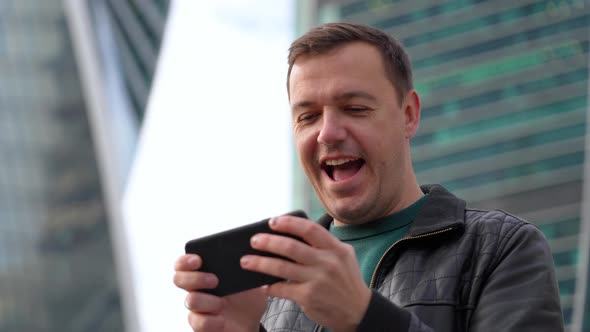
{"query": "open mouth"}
pixel 342 169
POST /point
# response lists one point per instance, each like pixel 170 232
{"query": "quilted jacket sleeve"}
pixel 520 293
pixel 382 315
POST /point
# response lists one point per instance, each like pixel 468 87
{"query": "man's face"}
pixel 351 132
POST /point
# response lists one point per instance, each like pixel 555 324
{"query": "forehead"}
pixel 355 66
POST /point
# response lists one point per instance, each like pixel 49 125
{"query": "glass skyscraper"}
pixel 137 29
pixel 57 263
pixel 504 86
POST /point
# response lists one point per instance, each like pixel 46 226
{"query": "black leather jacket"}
pixel 456 270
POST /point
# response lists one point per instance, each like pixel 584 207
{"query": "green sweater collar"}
pixel 386 224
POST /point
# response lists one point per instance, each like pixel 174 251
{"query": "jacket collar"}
pixel 441 210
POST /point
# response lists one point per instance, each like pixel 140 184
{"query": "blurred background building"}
pixel 75 80
pixel 504 86
pixel 57 263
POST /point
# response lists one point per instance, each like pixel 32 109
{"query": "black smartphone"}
pixel 221 253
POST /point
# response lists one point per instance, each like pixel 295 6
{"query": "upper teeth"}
pixel 336 162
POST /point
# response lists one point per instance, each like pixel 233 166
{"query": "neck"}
pixel 408 196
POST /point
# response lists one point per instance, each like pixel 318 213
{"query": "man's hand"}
pixel 232 313
pixel 324 278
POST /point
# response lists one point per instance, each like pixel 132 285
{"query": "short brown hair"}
pixel 327 37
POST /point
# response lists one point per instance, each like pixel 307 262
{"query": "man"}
pixel 389 255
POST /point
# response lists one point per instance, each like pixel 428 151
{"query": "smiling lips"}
pixel 343 168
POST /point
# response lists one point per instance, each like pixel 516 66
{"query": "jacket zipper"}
pixel 372 283
pixel 319 328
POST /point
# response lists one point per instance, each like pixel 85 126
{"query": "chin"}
pixel 348 214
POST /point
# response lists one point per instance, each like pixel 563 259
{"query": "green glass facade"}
pixel 504 86
pixel 56 264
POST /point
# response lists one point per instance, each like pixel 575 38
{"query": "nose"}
pixel 332 130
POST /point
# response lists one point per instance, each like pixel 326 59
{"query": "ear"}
pixel 411 113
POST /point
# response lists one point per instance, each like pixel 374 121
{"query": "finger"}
pixel 285 246
pixel 194 280
pixel 277 267
pixel 203 303
pixel 205 323
pixel 314 234
pixel 285 290
pixel 188 263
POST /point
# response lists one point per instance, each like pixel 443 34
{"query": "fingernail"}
pixel 186 305
pixel 210 280
pixel 244 261
pixel 254 240
pixel 273 221
pixel 194 261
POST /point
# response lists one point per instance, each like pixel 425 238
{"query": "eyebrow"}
pixel 303 104
pixel 355 94
pixel 340 97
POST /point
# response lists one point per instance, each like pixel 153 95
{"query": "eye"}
pixel 356 109
pixel 307 117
